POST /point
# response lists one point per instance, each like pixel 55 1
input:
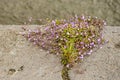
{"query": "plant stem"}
pixel 65 75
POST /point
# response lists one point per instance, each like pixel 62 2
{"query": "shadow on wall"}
pixel 19 11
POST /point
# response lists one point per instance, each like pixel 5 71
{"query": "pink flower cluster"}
pixel 79 35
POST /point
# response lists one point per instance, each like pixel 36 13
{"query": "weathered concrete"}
pixel 16 52
pixel 19 11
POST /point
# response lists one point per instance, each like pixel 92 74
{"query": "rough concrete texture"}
pixel 21 60
pixel 19 11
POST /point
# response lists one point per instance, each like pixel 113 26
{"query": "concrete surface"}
pixel 19 11
pixel 21 60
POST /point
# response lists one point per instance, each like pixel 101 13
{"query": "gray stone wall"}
pixel 19 11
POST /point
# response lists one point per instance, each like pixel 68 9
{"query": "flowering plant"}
pixel 72 39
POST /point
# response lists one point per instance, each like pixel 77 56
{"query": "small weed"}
pixel 72 39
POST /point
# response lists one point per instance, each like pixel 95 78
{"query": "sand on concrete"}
pixel 33 63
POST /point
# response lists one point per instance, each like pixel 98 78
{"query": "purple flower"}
pixel 90 52
pixel 28 35
pixel 46 28
pixel 92 44
pixel 89 39
pixel 81 57
pixel 83 17
pixel 53 22
pixel 30 30
pixel 99 40
pixel 29 39
pixel 57 36
pixel 81 42
pixel 73 24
